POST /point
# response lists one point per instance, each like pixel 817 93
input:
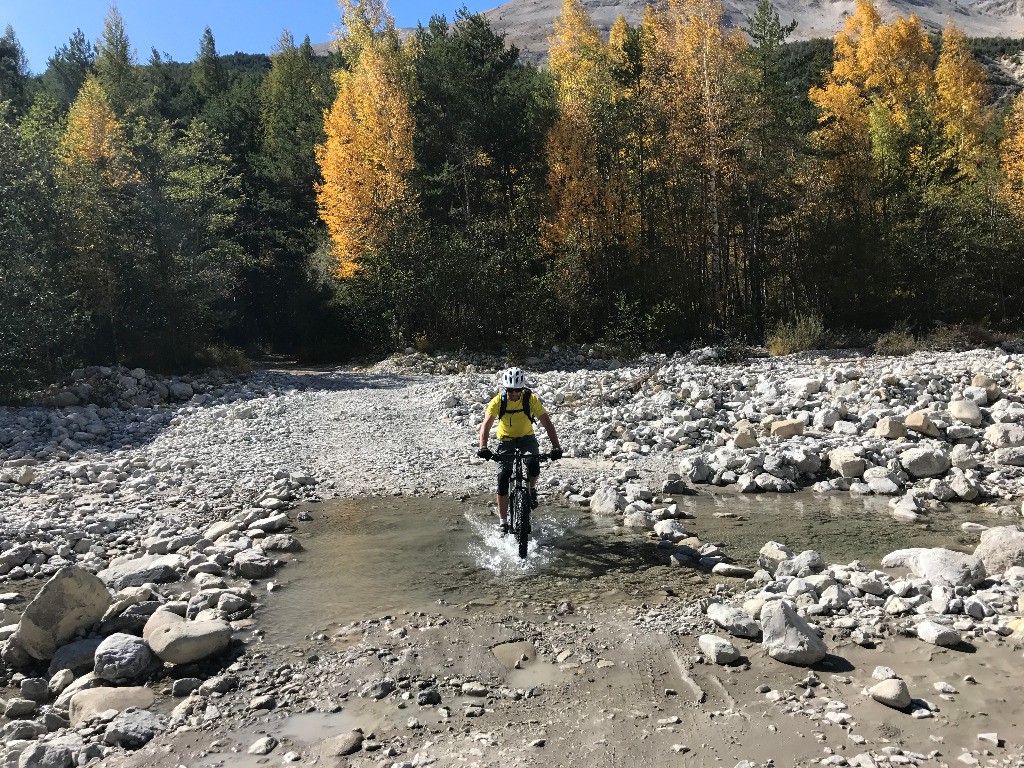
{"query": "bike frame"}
pixel 518 498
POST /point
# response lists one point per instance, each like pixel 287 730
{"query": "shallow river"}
pixel 369 557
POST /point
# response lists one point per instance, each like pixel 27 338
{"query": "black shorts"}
pixel 527 443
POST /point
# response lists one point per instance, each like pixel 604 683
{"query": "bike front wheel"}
pixel 519 511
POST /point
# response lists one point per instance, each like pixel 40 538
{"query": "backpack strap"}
pixel 503 406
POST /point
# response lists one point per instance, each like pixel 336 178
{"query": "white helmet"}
pixel 513 378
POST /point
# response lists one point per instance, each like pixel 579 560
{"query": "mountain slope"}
pixel 527 23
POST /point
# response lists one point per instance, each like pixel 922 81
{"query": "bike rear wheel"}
pixel 519 513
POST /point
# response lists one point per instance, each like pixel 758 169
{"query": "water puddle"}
pixel 840 527
pixel 370 557
pixel 294 732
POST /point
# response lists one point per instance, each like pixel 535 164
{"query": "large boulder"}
pixel 966 412
pixel 938 634
pixel 337 747
pixel 671 530
pixel 252 564
pixel 892 692
pixel 733 620
pixel 607 501
pixel 148 569
pixel 46 755
pixel 121 657
pixel 86 704
pixel 890 428
pixel 846 463
pixel 182 642
pixel 133 728
pixel 1008 435
pixel 938 565
pixel 718 649
pixel 78 656
pixel 771 554
pixel 787 428
pixel 1010 457
pixel 805 564
pixel 788 638
pixel 72 600
pixel 1001 548
pixel 924 462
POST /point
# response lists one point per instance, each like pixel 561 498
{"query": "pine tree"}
pixel 68 67
pixel 115 66
pixel 205 197
pixel 209 80
pixel 293 98
pixel 14 70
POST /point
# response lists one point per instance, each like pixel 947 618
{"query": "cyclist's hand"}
pixel 485 453
pixel 555 454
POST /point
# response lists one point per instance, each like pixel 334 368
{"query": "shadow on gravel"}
pixel 130 429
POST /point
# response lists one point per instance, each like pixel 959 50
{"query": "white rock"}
pixel 733 620
pixel 718 649
pixel 788 638
pixel 72 600
pixel 893 693
pixel 938 634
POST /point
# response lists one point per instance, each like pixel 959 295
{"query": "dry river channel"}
pixel 400 630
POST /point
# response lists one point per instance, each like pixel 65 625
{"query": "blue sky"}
pixel 175 26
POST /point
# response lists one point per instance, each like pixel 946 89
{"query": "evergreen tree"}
pixel 204 197
pixel 40 336
pixel 14 71
pixel 68 67
pixel 115 66
pixel 209 80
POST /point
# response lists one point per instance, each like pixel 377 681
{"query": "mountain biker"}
pixel 515 430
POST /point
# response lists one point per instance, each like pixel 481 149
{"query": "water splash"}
pixel 500 554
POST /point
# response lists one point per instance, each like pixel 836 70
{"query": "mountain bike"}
pixel 519 505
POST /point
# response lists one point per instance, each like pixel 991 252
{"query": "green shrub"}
pixel 959 336
pixel 897 342
pixel 224 358
pixel 804 333
pixel 422 343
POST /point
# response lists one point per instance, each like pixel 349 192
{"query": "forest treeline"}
pixel 672 181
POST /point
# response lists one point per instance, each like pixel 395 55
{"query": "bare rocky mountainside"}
pixel 527 23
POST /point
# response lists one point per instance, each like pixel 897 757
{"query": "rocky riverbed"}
pixel 145 520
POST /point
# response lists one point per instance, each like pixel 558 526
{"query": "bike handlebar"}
pixel 510 457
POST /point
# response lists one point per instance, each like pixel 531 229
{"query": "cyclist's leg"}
pixel 504 477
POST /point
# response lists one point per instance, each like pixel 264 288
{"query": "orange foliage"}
pixel 367 156
pixel 94 136
pixel 961 94
pixel 1011 158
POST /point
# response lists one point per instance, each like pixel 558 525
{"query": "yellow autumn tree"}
pixel 583 232
pixel 698 63
pixel 578 189
pixel 368 153
pixel 94 137
pixel 881 76
pixel 960 97
pixel 1011 159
